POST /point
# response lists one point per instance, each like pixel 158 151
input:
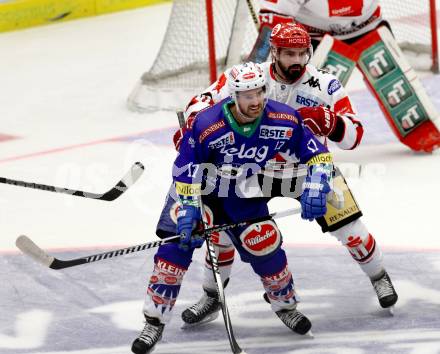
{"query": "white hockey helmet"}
pixel 245 77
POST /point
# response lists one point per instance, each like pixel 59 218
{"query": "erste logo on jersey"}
pixel 278 133
pixel 261 239
pixel 305 99
pixel 226 139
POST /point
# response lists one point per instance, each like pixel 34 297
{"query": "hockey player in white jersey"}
pixel 328 112
pixel 354 34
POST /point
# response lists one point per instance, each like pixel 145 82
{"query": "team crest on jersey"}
pixel 261 239
pixel 211 129
pixel 313 83
pixel 333 86
pixel 278 133
pixel 226 139
pixel 282 116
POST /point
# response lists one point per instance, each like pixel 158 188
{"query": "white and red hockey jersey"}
pixel 314 88
pixel 342 19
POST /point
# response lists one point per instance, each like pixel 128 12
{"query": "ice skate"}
pixel 150 335
pixel 296 321
pixel 205 310
pixel 386 294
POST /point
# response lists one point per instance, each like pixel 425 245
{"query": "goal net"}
pixel 182 66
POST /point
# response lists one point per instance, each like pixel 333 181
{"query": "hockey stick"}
pixel 28 247
pixel 215 269
pixel 126 182
pixel 220 289
pixel 253 14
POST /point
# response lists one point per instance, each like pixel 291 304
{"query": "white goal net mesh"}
pixel 181 68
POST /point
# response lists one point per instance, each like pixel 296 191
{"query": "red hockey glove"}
pixel 178 135
pixel 320 120
pixel 197 104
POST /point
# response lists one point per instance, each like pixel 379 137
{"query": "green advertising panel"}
pixel 339 66
pixel 394 90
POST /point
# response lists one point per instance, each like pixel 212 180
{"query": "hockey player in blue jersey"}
pixel 228 144
pixel 330 115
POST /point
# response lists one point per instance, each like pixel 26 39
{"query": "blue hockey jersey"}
pixel 218 153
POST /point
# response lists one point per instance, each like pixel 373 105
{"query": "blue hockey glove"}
pixel 188 218
pixel 314 196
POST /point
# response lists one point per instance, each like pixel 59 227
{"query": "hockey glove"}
pixel 320 120
pixel 197 104
pixel 314 196
pixel 189 218
pixel 178 135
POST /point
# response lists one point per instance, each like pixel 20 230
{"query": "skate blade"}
pixel 391 310
pixel 309 334
pixel 209 318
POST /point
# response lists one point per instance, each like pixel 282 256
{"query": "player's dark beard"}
pixel 293 72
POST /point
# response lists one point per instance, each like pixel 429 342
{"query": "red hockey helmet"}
pixel 290 35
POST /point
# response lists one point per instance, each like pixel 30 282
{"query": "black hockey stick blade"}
pixel 128 180
pixel 28 247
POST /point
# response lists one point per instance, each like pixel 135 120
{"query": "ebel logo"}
pixel 226 139
pixel 313 83
pixel 333 86
pixel 279 133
